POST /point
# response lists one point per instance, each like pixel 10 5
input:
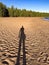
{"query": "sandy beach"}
pixel 36 49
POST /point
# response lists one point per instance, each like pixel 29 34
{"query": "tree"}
pixel 11 11
pixel 3 10
pixel 14 12
pixel 17 12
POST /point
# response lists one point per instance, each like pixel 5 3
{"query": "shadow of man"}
pixel 22 38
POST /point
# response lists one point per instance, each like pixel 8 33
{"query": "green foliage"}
pixel 3 11
pixel 11 11
pixel 14 12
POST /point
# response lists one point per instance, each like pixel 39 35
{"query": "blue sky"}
pixel 34 5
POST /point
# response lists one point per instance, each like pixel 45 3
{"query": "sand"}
pixel 36 50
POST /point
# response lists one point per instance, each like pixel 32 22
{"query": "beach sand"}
pixel 36 49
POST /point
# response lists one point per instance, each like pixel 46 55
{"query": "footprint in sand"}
pixel 8 62
pixel 5 63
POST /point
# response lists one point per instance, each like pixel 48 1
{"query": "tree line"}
pixel 14 12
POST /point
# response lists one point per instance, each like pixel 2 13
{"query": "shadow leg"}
pixel 18 57
pixel 24 54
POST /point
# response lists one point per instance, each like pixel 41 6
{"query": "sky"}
pixel 34 5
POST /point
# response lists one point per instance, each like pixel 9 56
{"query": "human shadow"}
pixel 22 38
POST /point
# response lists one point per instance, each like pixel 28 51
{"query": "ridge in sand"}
pixel 35 51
